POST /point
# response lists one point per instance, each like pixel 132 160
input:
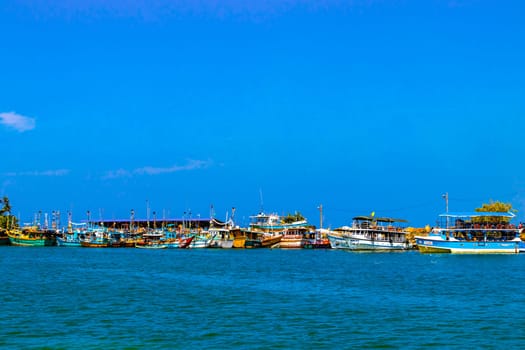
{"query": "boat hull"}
pixel 44 242
pixel 292 243
pixel 93 244
pixel 252 243
pixel 438 245
pixel 270 241
pixel 67 243
pixel 151 246
pixel 367 244
pixel 222 243
pixel 32 239
pixel 317 244
pixel 337 242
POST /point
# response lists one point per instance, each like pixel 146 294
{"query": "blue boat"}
pixel 472 233
pixel 68 240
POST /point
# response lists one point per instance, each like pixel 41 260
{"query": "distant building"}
pixel 194 223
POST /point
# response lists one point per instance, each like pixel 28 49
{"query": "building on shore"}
pixel 176 223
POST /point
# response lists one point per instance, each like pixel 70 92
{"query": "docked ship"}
pixel 472 233
pixel 371 233
pixel 32 237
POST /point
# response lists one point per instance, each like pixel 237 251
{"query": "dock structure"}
pixel 177 223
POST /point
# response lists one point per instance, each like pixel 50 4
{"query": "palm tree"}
pixel 6 206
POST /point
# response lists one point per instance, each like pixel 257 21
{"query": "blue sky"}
pixel 359 105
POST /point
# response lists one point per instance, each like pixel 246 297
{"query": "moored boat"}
pixel 317 240
pixel 472 233
pixel 371 233
pixel 185 242
pixel 68 240
pixel 221 238
pixel 32 237
pixel 151 245
pixel 239 237
pixel 294 238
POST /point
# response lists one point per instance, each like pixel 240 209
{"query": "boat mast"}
pixel 445 196
pixel 147 213
pixel 262 204
pixel 320 216
pixel 131 218
pixel 69 222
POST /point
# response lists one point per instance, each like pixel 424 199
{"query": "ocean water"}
pixel 80 298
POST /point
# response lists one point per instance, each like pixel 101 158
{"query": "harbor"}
pixel 479 232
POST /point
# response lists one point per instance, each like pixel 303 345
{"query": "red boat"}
pixel 185 242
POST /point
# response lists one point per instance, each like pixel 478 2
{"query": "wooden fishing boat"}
pixel 221 238
pixel 68 240
pixel 95 243
pixel 317 240
pixel 270 240
pixel 200 241
pixel 221 234
pixel 239 237
pixel 294 238
pixel 185 242
pixel 32 237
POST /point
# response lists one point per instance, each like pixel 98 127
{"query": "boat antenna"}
pixel 262 204
pixel 320 216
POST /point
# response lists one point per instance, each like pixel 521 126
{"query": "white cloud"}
pixel 149 170
pixel 58 172
pixel 17 121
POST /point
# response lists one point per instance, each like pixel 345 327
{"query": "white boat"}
pixel 472 233
pixel 222 238
pixel 337 241
pixel 371 233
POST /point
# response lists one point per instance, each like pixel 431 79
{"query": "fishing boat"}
pixel 317 240
pixel 32 237
pixel 220 232
pixel 472 233
pixel 239 237
pixel 185 242
pixel 68 240
pixel 151 240
pixel 294 238
pixel 95 242
pixel 266 230
pixel 221 237
pixel 371 233
pixel 95 238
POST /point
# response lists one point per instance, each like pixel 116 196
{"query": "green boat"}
pixel 32 237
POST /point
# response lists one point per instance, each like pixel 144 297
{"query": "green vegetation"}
pixel 6 221
pixel 293 217
pixel 494 207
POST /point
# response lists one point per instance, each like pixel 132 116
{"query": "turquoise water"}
pixel 79 298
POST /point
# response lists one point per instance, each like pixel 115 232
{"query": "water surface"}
pixel 80 298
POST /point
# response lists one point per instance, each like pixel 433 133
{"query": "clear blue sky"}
pixel 359 105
